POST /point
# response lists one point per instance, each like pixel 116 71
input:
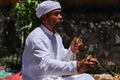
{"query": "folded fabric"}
pixel 4 73
pixel 16 76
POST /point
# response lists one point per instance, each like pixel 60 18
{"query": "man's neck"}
pixel 49 27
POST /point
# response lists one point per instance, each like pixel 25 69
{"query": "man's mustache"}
pixel 59 21
pixel 58 25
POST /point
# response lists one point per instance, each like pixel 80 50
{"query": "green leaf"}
pixel 27 26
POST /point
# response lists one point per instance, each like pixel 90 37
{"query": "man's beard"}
pixel 58 26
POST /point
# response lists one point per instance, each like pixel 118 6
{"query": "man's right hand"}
pixel 85 64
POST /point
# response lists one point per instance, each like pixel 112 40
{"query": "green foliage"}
pixel 25 11
pixel 27 20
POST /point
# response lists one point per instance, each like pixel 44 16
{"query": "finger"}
pixel 94 60
pixel 80 44
pixel 74 40
pixel 92 66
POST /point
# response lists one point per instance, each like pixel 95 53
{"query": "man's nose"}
pixel 60 16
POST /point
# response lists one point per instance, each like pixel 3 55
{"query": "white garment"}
pixel 83 76
pixel 38 61
pixel 74 77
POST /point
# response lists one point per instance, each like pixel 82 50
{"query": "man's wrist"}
pixel 79 67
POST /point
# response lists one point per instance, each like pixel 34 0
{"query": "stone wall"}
pixel 10 37
pixel 100 33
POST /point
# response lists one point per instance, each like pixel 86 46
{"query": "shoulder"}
pixel 37 33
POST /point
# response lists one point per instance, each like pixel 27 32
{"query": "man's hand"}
pixel 76 45
pixel 86 64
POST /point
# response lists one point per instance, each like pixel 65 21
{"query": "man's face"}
pixel 55 19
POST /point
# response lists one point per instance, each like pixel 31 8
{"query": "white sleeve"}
pixel 67 54
pixel 46 64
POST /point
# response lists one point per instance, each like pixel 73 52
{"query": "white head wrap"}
pixel 45 7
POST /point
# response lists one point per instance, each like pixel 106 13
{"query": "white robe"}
pixel 40 62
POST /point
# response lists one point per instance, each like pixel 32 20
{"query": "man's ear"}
pixel 43 19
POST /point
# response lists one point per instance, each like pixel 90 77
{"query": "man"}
pixel 44 56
